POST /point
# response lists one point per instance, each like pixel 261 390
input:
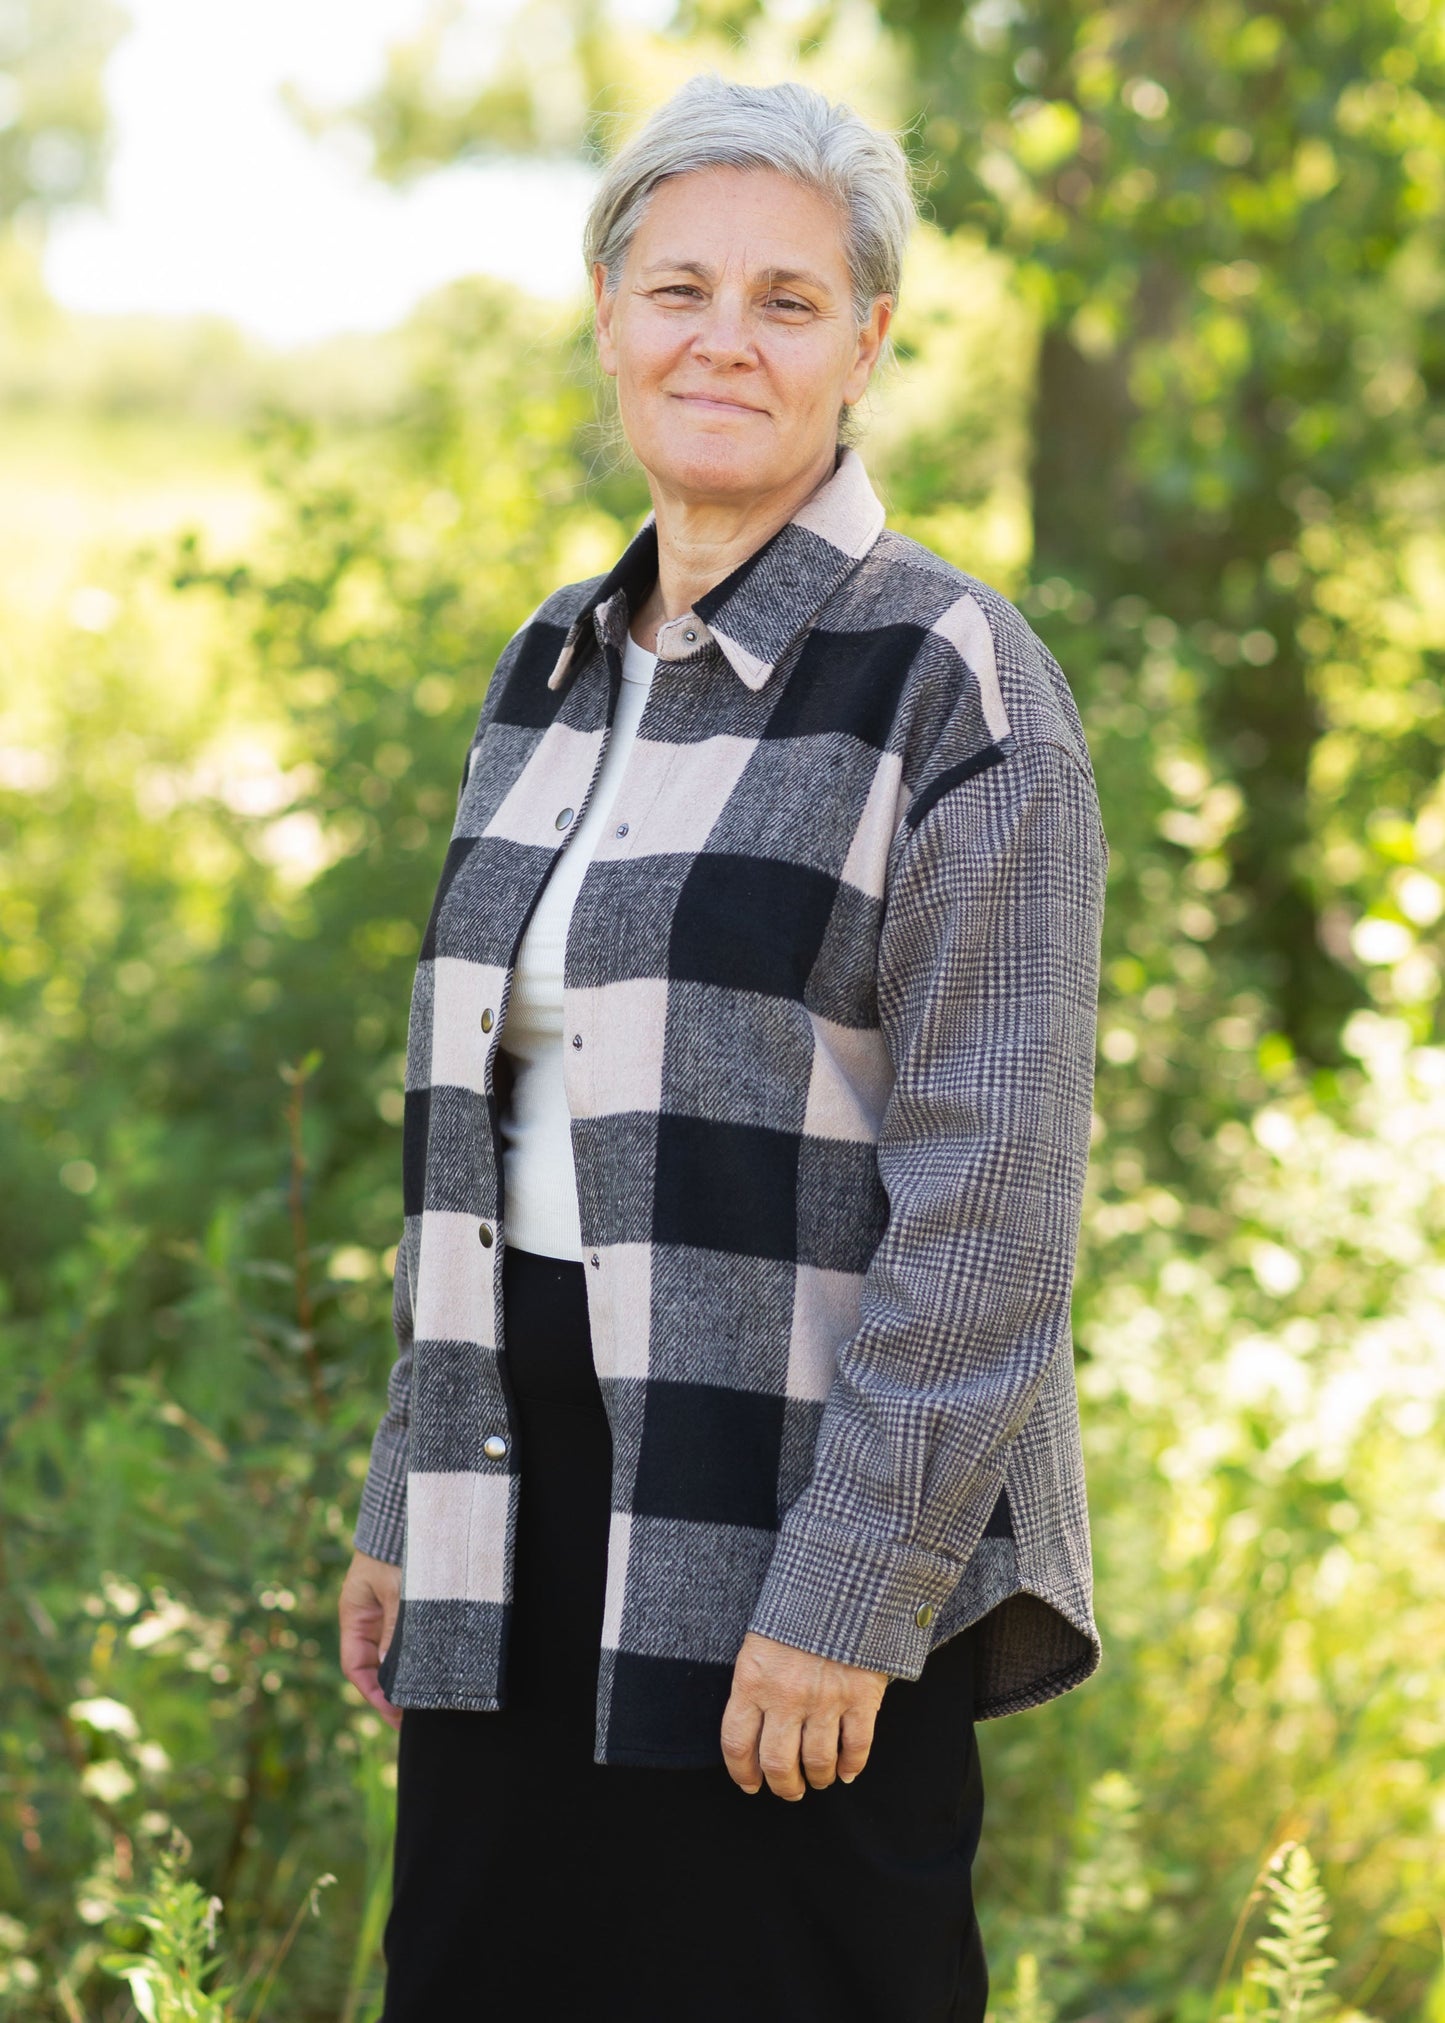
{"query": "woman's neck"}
pixel 700 543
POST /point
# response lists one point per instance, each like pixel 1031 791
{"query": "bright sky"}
pixel 219 203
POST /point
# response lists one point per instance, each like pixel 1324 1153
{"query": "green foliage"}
pixel 1284 1981
pixel 1025 2001
pixel 1228 219
pixel 167 1980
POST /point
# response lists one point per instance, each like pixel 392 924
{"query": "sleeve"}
pixel 988 996
pixel 381 1526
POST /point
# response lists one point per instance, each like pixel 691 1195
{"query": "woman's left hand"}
pixel 794 1716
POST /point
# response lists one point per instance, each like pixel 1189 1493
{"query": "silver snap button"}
pixel 576 1039
pixel 596 1260
pixel 924 1616
pixel 622 828
pixel 564 818
pixel 484 1236
pixel 689 637
pixel 487 1020
pixel 495 1447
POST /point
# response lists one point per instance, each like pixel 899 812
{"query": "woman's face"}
pixel 731 335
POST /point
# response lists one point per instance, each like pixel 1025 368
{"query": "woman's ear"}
pixel 604 303
pixel 870 344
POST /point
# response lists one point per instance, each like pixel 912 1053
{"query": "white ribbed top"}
pixel 540 1205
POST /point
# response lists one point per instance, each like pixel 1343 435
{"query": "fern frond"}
pixel 1291 1964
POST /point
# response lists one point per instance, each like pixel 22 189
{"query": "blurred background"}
pixel 296 425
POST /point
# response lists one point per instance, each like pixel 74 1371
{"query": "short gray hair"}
pixel 711 124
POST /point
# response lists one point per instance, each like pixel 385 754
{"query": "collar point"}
pixel 749 669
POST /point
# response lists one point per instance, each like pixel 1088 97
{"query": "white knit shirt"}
pixel 541 1186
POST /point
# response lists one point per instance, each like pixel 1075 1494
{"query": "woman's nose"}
pixel 724 334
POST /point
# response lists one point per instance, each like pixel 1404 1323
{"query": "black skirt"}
pixel 535 1885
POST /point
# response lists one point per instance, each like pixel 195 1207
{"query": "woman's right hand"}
pixel 370 1596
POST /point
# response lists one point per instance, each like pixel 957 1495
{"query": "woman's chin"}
pixel 714 466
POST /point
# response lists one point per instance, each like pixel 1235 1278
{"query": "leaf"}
pixel 141 1982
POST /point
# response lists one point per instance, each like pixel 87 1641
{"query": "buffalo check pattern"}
pixel 830 986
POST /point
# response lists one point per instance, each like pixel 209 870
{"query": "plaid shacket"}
pixel 830 995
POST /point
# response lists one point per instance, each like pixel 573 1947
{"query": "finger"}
pixel 391 1715
pixel 360 1651
pixel 820 1750
pixel 364 1678
pixel 858 1725
pixel 741 1728
pixel 361 1658
pixel 778 1754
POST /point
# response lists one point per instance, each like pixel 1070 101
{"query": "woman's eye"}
pixel 786 302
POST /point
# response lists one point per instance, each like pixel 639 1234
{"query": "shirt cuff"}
pixel 869 1602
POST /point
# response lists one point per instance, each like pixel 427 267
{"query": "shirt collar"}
pixel 755 614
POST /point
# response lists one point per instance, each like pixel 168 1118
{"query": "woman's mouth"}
pixel 717 403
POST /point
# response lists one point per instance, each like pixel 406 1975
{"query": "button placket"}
pixel 568 818
pixel 577 1063
pixel 622 841
pixel 640 795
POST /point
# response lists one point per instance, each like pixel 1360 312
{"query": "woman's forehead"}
pixel 758 219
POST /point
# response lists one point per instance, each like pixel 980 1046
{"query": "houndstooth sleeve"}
pixel 988 989
pixel 381 1525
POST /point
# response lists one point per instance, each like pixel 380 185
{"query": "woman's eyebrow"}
pixel 671 266
pixel 772 276
pixel 793 277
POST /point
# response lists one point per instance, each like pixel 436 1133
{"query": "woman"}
pixel 732 1453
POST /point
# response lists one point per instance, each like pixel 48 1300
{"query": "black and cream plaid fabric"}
pixel 830 997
